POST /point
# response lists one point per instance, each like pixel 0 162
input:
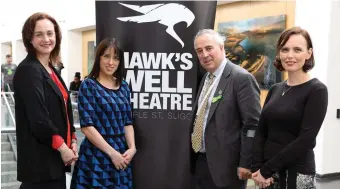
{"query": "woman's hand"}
pixel 261 181
pixel 129 154
pixel 67 155
pixel 74 148
pixel 117 159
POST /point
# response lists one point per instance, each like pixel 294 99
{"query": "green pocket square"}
pixel 216 98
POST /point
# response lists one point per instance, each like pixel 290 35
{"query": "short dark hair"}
pixel 77 75
pixel 28 31
pixel 103 45
pixel 309 64
pixel 8 56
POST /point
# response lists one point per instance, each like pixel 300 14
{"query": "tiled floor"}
pixel 320 184
pixel 68 180
pixel 324 184
pixel 328 184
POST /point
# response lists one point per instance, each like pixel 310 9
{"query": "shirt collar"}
pixel 220 68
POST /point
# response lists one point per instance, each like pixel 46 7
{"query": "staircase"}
pixel 8 162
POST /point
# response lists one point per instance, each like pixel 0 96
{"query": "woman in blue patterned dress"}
pixel 106 120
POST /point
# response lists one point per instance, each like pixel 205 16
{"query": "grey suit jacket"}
pixel 231 125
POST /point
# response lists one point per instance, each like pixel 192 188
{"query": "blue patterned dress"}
pixel 108 111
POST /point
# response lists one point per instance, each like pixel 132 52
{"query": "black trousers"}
pixel 203 179
pixel 51 184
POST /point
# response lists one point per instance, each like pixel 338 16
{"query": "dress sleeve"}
pixel 86 104
pixel 260 139
pixel 313 116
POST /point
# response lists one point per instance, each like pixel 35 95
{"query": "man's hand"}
pixel 243 173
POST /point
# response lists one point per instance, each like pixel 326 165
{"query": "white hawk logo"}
pixel 166 14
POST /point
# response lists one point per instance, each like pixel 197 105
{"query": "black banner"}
pixel 162 70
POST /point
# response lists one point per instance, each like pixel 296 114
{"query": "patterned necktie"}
pixel 196 138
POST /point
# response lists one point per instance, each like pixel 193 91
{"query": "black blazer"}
pixel 39 113
pixel 231 125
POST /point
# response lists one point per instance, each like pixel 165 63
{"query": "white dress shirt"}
pixel 211 95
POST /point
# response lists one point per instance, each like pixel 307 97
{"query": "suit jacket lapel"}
pixel 51 83
pixel 220 87
pixel 60 79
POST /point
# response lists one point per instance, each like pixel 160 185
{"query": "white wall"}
pixel 14 20
pixel 76 13
pixel 73 17
pixel 20 52
pixel 331 152
pixel 80 17
pixel 80 14
pixel 324 28
pixel 5 49
pixel 75 54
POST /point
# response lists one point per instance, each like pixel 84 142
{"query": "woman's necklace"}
pixel 285 90
pixel 108 83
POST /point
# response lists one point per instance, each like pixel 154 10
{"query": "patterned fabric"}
pixel 305 181
pixel 292 180
pixel 198 125
pixel 108 111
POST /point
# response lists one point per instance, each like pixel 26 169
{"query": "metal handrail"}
pixel 7 104
pixel 10 91
pixel 4 94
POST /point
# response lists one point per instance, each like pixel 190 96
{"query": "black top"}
pixel 75 86
pixel 288 128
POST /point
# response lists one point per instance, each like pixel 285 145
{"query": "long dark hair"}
pixel 103 45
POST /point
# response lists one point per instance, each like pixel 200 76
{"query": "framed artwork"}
pixel 251 44
pixel 91 54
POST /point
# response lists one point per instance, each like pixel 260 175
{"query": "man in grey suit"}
pixel 227 110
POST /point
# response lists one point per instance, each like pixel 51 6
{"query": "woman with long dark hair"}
pixel 106 120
